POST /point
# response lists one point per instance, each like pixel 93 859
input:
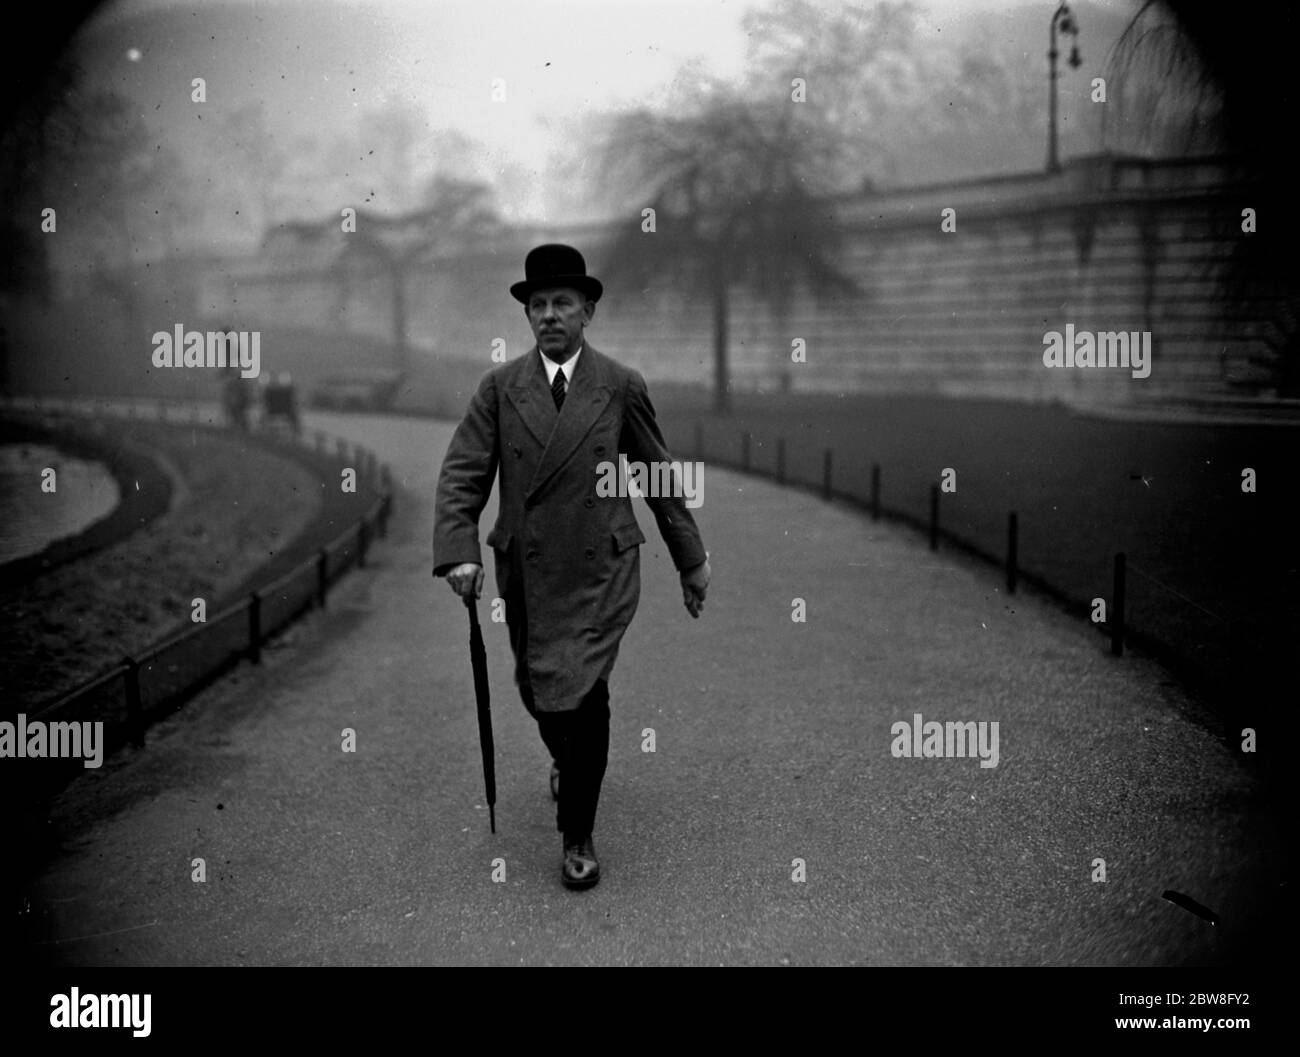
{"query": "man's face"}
pixel 557 317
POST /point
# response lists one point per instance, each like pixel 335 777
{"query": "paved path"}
pixel 772 744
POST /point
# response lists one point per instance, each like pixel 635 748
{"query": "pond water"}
pixel 30 518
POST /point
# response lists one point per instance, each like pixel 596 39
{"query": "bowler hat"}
pixel 554 265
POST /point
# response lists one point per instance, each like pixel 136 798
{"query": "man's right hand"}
pixel 466 578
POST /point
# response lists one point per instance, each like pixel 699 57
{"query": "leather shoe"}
pixel 581 869
pixel 555 781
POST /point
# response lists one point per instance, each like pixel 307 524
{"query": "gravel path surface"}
pixel 773 744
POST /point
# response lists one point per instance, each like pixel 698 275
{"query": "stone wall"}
pixel 1104 245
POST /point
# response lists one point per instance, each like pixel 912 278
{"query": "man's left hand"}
pixel 695 584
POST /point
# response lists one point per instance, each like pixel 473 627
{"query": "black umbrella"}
pixel 478 659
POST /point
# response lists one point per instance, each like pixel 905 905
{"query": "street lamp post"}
pixel 1062 19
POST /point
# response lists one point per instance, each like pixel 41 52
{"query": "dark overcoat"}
pixel 567 558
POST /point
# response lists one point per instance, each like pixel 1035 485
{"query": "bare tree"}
pixel 36 141
pixel 739 197
pixel 115 182
pixel 863 68
pixel 1202 79
pixel 1164 100
pixel 453 209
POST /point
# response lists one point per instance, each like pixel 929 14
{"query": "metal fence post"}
pixel 875 491
pixel 744 450
pixel 1117 607
pixel 780 460
pixel 699 441
pixel 826 475
pixel 134 711
pixel 362 540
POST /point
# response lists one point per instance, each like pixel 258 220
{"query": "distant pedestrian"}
pixel 235 399
pixel 280 401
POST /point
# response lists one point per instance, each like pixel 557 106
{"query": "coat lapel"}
pixel 531 397
pixel 589 391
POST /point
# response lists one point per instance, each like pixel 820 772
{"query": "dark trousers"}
pixel 579 743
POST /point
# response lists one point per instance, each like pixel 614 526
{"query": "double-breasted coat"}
pixel 567 559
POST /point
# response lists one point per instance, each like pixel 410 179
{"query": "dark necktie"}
pixel 557 388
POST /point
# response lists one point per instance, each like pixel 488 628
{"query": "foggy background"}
pixel 360 183
pixel 799 158
pixel 227 211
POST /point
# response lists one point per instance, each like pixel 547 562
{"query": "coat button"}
pixel 532 555
pixel 600 449
pixel 519 453
pixel 591 552
pixel 588 502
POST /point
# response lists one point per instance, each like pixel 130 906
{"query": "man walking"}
pixel 566 556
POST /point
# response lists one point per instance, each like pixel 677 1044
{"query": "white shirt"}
pixel 567 367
